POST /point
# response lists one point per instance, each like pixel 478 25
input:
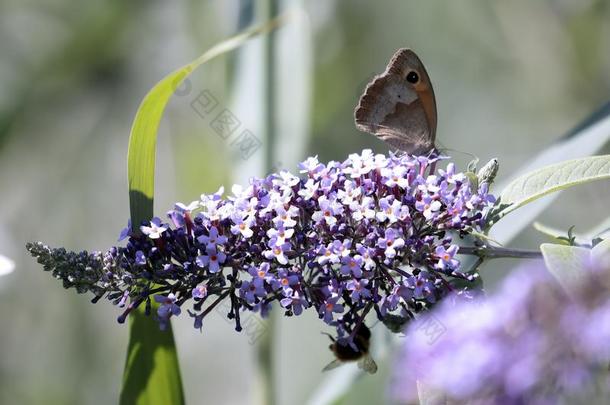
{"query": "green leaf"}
pixel 152 373
pixel 560 236
pixel 143 137
pixel 566 263
pixel 557 177
pixel 585 140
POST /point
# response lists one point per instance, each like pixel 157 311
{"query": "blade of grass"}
pixel 152 373
pixel 143 137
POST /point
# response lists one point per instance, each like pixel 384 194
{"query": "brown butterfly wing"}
pixel 401 113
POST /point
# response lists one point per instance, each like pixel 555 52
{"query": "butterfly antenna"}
pixel 458 151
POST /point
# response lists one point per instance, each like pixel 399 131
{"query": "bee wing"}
pixel 367 364
pixel 333 364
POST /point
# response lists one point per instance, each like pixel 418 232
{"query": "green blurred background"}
pixel 510 78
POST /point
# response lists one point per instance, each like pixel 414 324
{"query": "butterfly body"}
pixel 399 106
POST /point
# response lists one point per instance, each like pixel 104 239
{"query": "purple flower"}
pixel 350 193
pixel 201 291
pixel 281 234
pixel 263 272
pixel 367 255
pixel 422 286
pixel 248 208
pixel 330 307
pixel 528 343
pixel 296 302
pixel 212 239
pixel 341 249
pixel 352 265
pixel 428 206
pixel 168 306
pixel 286 180
pixel 285 281
pixel 277 251
pixel 155 230
pixel 360 165
pixel 178 217
pixel 213 259
pixel 311 166
pixel 328 210
pixel 241 226
pixel 198 323
pixel 401 292
pixel 390 210
pixel 140 258
pixel 446 260
pixel 363 209
pixel 285 216
pixel 327 241
pixel 395 176
pixel 327 255
pixel 125 232
pixel 251 290
pixel 391 242
pixel 358 289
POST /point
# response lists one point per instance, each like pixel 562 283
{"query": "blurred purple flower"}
pixel 529 343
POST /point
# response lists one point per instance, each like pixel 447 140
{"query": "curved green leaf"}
pixel 553 233
pixel 143 137
pixel 549 179
pixel 585 140
pixel 152 373
pixel 560 236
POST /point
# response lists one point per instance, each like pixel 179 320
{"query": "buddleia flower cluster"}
pixel 532 342
pixel 374 232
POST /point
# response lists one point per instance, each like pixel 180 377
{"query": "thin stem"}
pixel 213 304
pixel 500 252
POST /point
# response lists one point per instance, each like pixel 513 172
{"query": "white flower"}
pixel 309 191
pixel 363 210
pixel 349 193
pixel 395 176
pixel 284 216
pixel 241 226
pixel 155 229
pixel 187 208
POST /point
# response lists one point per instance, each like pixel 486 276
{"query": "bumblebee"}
pixel 358 351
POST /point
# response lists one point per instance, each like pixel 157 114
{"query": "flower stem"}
pixel 500 252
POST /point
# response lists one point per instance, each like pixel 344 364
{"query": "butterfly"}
pixel 399 107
